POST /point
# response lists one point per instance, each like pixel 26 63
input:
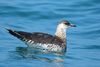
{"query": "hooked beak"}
pixel 72 25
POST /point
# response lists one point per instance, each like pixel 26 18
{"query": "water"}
pixel 83 48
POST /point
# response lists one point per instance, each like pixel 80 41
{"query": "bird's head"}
pixel 64 24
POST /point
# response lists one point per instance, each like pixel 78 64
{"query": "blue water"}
pixel 83 42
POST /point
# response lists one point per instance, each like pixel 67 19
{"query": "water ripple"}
pixel 42 16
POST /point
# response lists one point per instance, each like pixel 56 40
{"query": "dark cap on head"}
pixel 67 23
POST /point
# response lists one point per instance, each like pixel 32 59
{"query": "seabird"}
pixel 45 41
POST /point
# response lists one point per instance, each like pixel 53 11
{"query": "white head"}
pixel 61 28
pixel 65 24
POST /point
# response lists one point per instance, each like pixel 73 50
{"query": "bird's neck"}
pixel 61 33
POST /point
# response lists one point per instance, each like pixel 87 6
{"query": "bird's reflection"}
pixel 26 52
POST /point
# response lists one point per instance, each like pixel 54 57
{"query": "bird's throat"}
pixel 61 33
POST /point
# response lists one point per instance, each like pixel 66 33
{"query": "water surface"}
pixel 83 45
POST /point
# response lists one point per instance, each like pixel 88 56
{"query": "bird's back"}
pixel 40 40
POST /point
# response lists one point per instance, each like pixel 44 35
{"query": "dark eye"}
pixel 67 23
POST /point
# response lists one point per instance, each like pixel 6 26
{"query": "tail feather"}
pixel 15 33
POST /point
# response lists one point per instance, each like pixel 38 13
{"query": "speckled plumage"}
pixel 44 41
